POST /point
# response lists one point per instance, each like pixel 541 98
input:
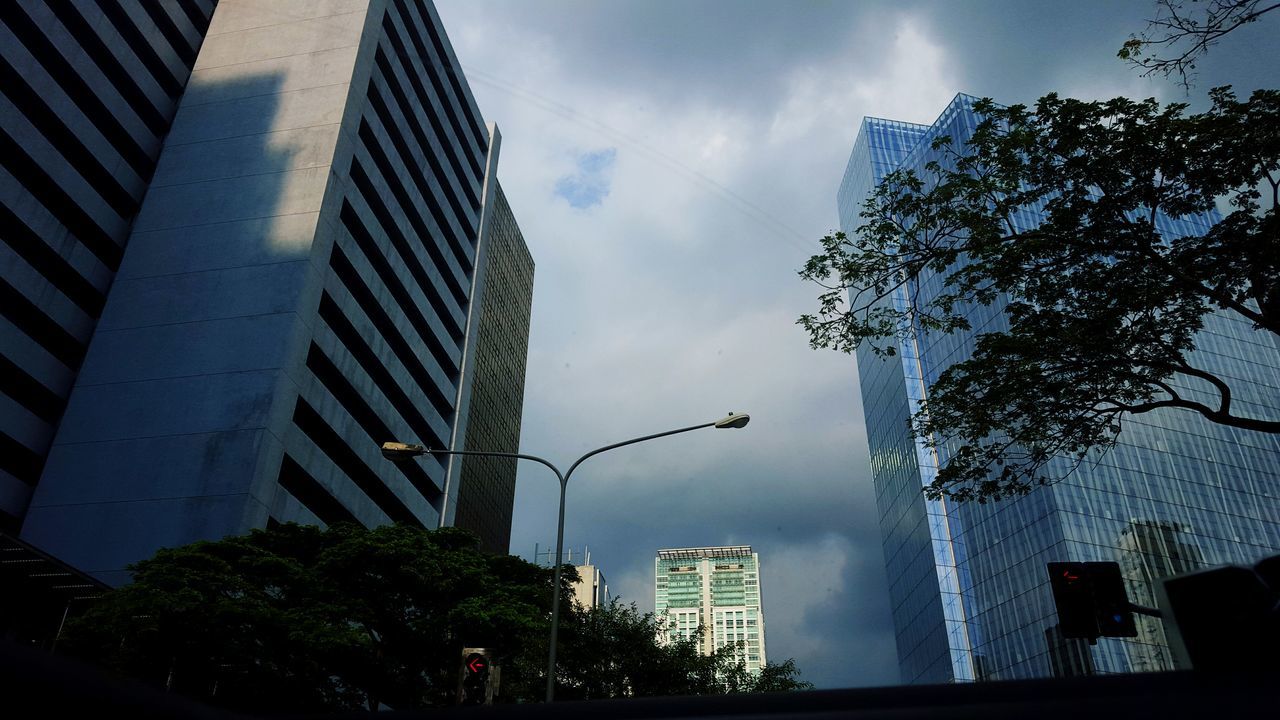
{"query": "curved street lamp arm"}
pixel 632 441
pixel 522 456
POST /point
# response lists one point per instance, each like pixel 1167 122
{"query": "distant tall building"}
pixel 1150 551
pixel 968 585
pixel 250 244
pixel 717 589
pixel 591 590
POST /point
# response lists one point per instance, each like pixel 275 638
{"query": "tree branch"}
pixel 1267 426
pixel 1224 390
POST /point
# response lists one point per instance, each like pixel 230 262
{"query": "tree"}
pixel 298 619
pixel 295 619
pixel 1180 35
pixel 614 651
pixel 1102 305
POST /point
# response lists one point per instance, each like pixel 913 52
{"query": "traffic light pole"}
pixel 1144 610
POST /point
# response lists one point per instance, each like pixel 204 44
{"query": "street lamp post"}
pixel 398 452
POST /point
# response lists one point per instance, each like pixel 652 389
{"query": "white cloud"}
pixel 910 80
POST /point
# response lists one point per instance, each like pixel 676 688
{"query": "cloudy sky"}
pixel 671 165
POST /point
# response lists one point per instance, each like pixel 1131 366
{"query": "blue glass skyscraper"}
pixel 968 585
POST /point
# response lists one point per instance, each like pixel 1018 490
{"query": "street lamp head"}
pixel 398 451
pixel 734 421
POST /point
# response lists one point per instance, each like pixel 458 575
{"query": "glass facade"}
pixel 717 589
pixel 487 487
pixel 968 586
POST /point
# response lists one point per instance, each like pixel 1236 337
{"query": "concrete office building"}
pixel 968 585
pixel 591 590
pixel 305 279
pixel 716 589
pixel 88 93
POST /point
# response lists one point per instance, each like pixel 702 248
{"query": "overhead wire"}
pixel 740 203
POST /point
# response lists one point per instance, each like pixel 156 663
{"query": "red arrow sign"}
pixel 476 663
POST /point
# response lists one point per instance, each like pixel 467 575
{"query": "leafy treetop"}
pixel 1103 303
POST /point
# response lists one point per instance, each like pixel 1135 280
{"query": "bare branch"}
pixel 1171 28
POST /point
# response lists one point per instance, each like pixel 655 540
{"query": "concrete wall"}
pixel 173 431
pixel 87 92
pixel 295 292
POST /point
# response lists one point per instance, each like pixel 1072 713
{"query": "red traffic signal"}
pixel 477 678
pixel 1091 600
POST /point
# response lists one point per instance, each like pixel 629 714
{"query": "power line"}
pixel 743 205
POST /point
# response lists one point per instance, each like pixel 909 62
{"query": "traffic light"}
pixel 478 678
pixel 1091 600
pixel 1110 601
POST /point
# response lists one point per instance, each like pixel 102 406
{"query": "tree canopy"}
pixel 300 619
pixel 618 656
pixel 1103 298
pixel 297 619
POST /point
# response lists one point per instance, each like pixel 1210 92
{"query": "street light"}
pixel 400 452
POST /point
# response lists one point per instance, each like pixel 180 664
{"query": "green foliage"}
pixel 296 619
pixel 613 651
pixel 1102 306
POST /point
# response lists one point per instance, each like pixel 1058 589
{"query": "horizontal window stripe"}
pixel 407 305
pixel 19 460
pixel 40 327
pixel 66 142
pixel 51 266
pixel 335 447
pixel 311 494
pixel 171 33
pixel 75 86
pixel 29 392
pixel 56 200
pixel 444 67
pixel 364 298
pixel 356 405
pixel 347 334
pixel 453 275
pixel 141 47
pixel 450 184
pixel 452 225
pixel 468 180
pixel 110 66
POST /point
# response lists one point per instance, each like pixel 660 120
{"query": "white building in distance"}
pixel 591 590
pixel 718 589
